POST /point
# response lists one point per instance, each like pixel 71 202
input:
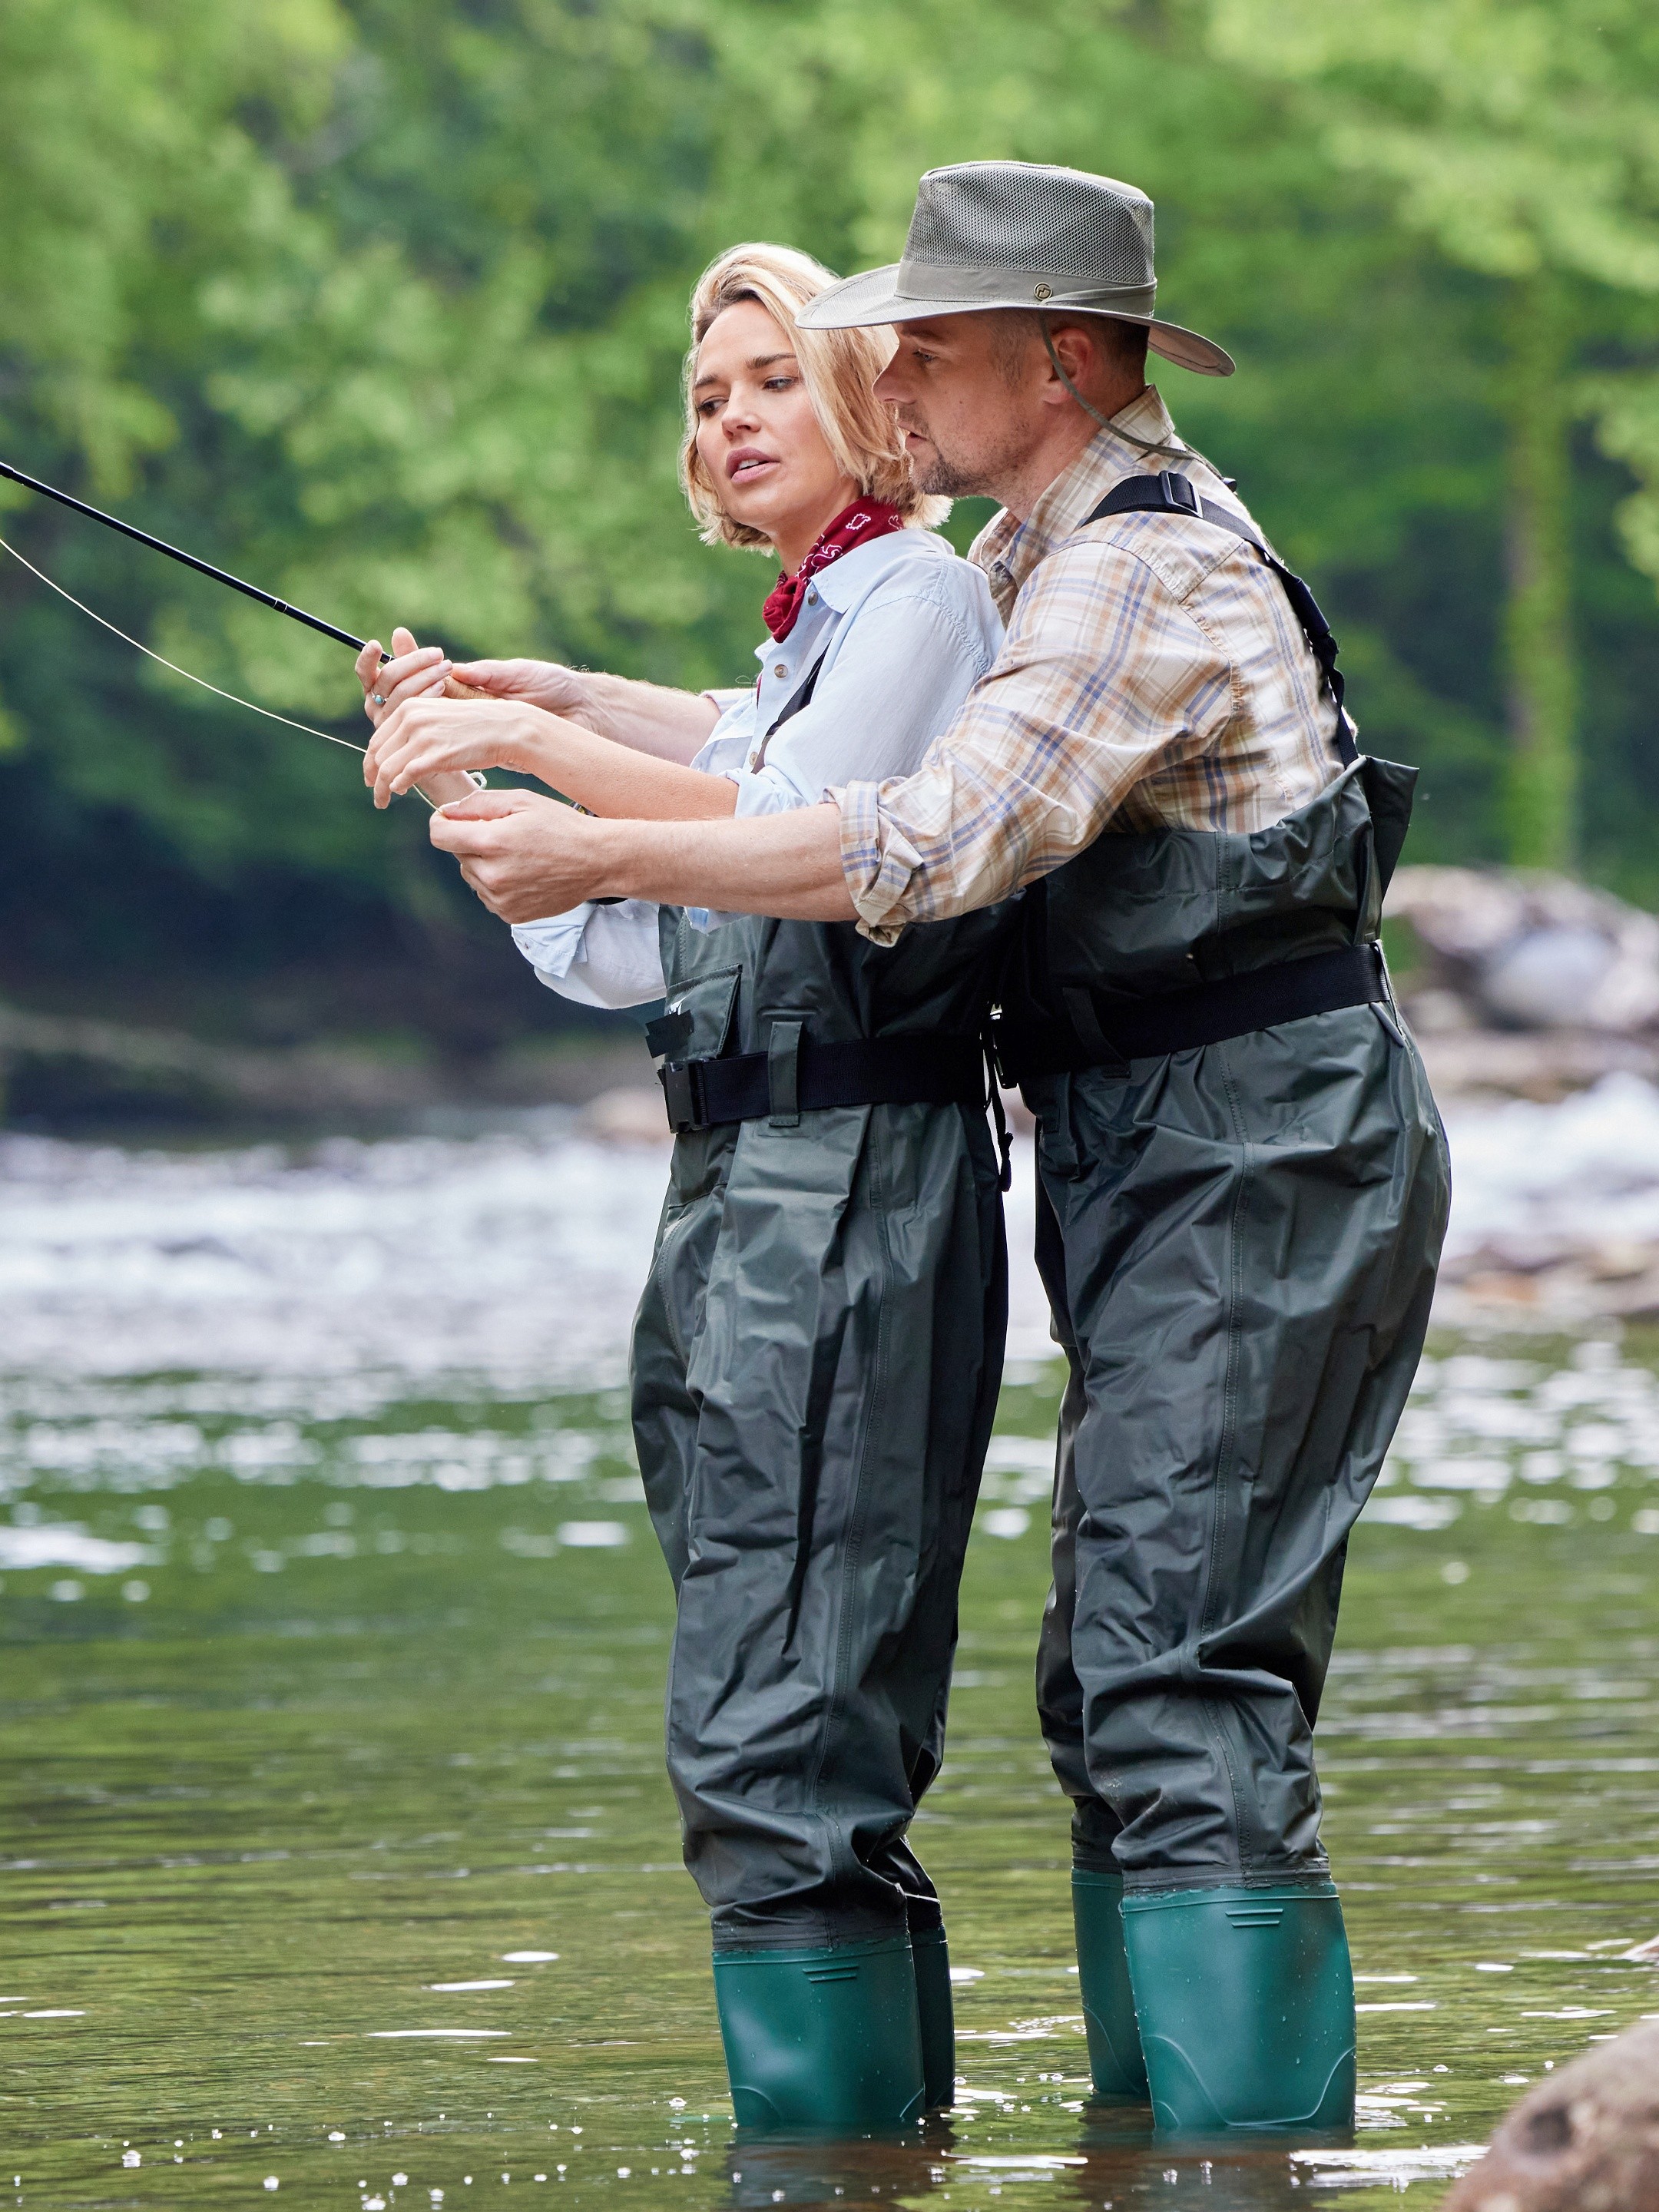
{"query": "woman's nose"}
pixel 738 417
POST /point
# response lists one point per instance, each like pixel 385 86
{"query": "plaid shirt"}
pixel 1153 677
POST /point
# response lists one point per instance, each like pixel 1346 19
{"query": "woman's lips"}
pixel 748 462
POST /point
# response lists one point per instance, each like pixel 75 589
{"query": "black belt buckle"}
pixel 682 1090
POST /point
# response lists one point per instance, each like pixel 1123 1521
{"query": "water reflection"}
pixel 802 2171
pixel 346 1835
pixel 1111 2160
pixel 338 1850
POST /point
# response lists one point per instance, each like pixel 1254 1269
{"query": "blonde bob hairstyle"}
pixel 840 368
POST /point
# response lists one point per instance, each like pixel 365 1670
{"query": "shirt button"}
pixel 779 670
pixel 813 597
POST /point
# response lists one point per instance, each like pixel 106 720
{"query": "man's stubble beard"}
pixel 945 478
pixel 965 475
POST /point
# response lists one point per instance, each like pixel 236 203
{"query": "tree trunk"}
pixel 1540 798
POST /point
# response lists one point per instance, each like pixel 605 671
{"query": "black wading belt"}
pixel 797 1075
pixel 1110 1033
pixel 1180 1021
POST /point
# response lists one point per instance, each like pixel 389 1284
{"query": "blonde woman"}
pixel 816 1354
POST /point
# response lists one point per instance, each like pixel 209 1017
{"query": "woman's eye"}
pixel 780 383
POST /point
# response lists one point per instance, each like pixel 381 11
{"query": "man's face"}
pixel 967 421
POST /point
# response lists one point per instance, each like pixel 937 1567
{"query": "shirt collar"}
pixel 1008 549
pixel 840 587
pixel 848 578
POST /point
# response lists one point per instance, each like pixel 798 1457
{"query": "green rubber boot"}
pixel 938 2018
pixel 1118 2069
pixel 822 2039
pixel 1245 2001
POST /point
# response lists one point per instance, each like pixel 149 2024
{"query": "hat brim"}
pixel 874 296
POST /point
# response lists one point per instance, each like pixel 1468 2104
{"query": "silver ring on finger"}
pixel 376 699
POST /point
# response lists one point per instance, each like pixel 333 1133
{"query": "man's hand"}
pixel 526 856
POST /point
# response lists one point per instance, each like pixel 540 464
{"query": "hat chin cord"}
pixel 1142 445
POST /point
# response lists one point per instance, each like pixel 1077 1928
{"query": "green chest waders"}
pixel 1242 1189
pixel 816 1361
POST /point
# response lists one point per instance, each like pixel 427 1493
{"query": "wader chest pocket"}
pixel 698 1019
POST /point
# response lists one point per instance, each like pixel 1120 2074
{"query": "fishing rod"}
pixel 173 553
pixel 219 576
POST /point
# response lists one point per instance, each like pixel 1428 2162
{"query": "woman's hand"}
pixel 413 673
pixel 647 718
pixel 428 734
pixel 543 683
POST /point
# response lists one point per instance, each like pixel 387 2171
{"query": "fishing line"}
pixel 190 677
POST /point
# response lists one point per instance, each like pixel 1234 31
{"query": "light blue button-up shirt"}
pixel 900 631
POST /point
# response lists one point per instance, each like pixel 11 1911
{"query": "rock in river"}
pixel 1586 2140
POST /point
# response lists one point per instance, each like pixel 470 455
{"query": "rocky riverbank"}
pixel 73 1072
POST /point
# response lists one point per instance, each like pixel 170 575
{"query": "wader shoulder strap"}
pixel 803 698
pixel 1111 1032
pixel 797 1075
pixel 1170 493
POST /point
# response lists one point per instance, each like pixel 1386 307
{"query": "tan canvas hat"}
pixel 1013 235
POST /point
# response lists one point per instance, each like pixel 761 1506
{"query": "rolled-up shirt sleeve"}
pixel 1105 678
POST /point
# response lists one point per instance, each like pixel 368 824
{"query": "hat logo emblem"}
pixel 1042 291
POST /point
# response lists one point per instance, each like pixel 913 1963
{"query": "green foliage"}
pixel 129 175
pixel 1520 134
pixel 1523 140
pixel 384 307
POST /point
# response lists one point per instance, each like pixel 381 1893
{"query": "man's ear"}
pixel 1081 357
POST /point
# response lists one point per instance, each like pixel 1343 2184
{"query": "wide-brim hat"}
pixel 1013 235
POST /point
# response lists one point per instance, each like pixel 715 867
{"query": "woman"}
pixel 817 1354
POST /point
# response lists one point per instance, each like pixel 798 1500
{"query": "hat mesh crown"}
pixel 1058 222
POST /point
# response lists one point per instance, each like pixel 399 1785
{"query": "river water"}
pixel 339 1864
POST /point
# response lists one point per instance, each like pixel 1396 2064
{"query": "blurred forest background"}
pixel 383 306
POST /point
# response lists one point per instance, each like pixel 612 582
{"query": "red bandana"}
pixel 854 526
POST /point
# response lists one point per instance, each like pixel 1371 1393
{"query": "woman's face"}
pixel 758 436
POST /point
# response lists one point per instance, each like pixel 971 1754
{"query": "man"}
pixel 1242 1175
